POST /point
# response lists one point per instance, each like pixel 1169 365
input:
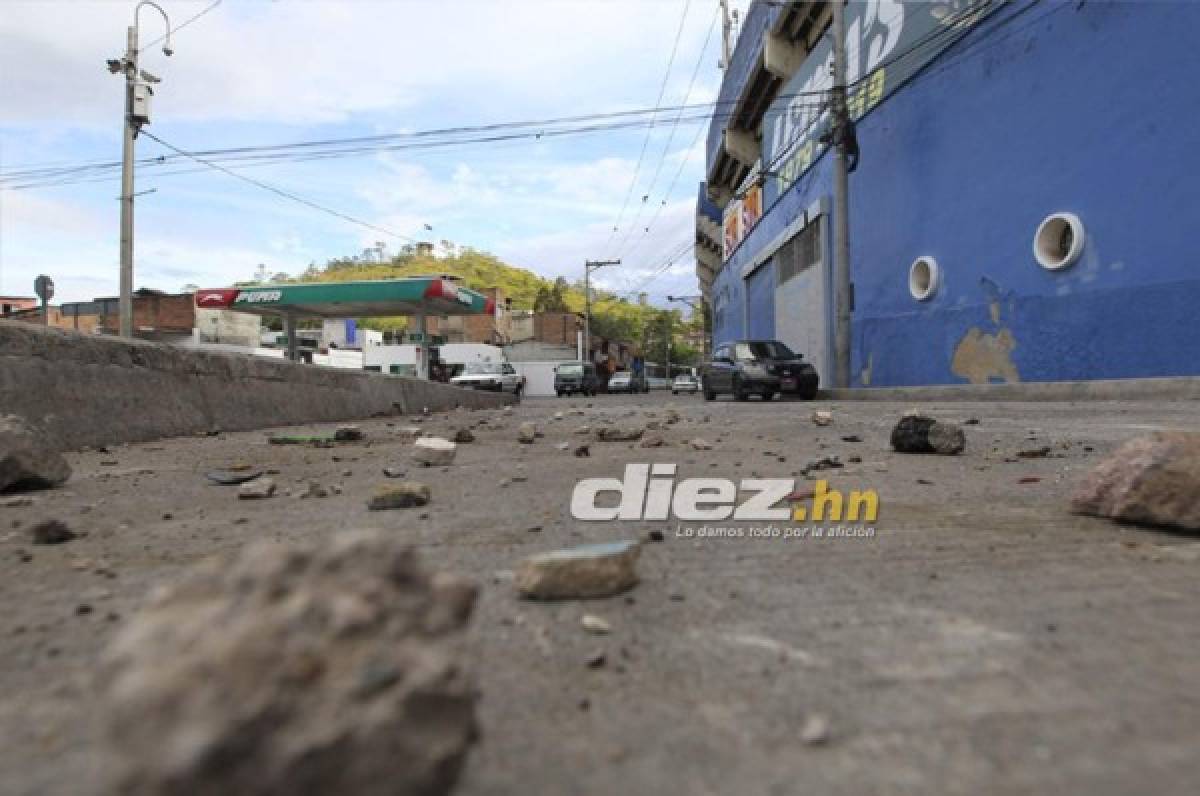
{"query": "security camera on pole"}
pixel 138 91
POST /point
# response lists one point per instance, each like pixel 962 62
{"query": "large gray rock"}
pixel 293 670
pixel 917 433
pixel 433 451
pixel 595 570
pixel 619 433
pixel 1152 480
pixel 26 462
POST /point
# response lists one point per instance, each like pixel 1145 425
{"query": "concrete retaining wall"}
pixel 89 390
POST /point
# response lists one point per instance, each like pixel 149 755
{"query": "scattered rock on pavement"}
pixel 404 495
pixel 672 416
pixel 583 451
pixel 257 489
pixel 51 532
pixel 464 435
pixel 822 417
pixel 348 434
pixel 1034 453
pixel 584 430
pixel 652 441
pixel 26 461
pixel 314 490
pixel 596 570
pixel 331 669
pixel 700 444
pixel 1150 480
pixel 917 433
pixel 433 451
pixel 527 433
pixel 562 446
pixel 394 472
pixel 232 477
pixel 815 730
pixel 619 433
pixel 408 433
pixel 595 624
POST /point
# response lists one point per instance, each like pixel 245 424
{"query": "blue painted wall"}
pixel 760 300
pixel 1091 109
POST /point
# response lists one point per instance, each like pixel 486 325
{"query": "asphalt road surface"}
pixel 983 640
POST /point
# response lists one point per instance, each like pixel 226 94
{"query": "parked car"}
pixel 498 376
pixel 657 383
pixel 576 377
pixel 759 367
pixel 684 383
pixel 627 381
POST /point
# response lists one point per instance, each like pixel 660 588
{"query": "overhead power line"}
pixel 183 25
pixel 281 192
pixel 657 105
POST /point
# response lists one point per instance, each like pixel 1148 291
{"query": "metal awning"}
pixel 386 297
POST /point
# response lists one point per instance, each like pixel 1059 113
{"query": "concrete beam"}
pixel 781 57
pixel 709 228
pixel 708 258
pixel 741 146
pixel 719 194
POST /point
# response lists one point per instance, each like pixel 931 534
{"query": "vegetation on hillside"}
pixel 613 316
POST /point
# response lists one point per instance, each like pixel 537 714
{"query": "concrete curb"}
pixel 1180 388
pixel 87 390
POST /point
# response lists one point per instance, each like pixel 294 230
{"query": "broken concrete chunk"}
pixel 1150 480
pixel 257 489
pixel 403 495
pixel 348 434
pixel 527 433
pixel 26 460
pixel 294 670
pixel 923 434
pixel 232 476
pixel 652 441
pixel 619 433
pixel 433 451
pixel 408 433
pixel 464 435
pixel 51 532
pixel 701 444
pixel 822 417
pixel 597 570
pixel 595 624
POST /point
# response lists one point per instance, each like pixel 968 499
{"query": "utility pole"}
pixel 588 267
pixel 842 289
pixel 726 36
pixel 667 357
pixel 137 113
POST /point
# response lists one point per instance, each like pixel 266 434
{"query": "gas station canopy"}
pixel 423 295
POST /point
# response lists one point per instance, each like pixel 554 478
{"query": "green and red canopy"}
pixel 412 296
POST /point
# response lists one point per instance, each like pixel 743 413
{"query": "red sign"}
pixel 216 299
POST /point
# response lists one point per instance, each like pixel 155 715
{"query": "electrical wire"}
pixel 281 192
pixel 646 141
pixel 182 26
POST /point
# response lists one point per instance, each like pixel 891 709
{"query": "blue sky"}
pixel 255 72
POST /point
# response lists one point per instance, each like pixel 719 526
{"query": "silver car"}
pixel 684 383
pixel 498 376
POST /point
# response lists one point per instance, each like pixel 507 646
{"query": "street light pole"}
pixel 133 122
pixel 588 267
pixel 841 211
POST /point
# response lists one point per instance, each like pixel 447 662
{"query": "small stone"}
pixel 598 570
pixel 293 669
pixel 971 421
pixel 408 433
pixel 314 490
pixel 83 609
pixel 822 417
pixel 393 472
pixel 559 415
pixel 916 433
pixel 51 532
pixel 526 433
pixel 815 730
pixel 1034 453
pixel 562 446
pixel 700 444
pixel 583 451
pixel 433 451
pixel 403 495
pixel 348 434
pixel 596 660
pixel 464 435
pixel 1150 480
pixel 583 430
pixel 851 438
pixel 258 489
pixel 619 433
pixel 652 441
pixel 595 624
pixel 672 416
pixel 26 459
pixel 655 536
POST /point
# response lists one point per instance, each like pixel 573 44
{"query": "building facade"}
pixel 1022 204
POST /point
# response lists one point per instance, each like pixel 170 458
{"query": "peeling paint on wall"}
pixel 979 358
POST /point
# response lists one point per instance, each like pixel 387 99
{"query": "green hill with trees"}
pixel 613 315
